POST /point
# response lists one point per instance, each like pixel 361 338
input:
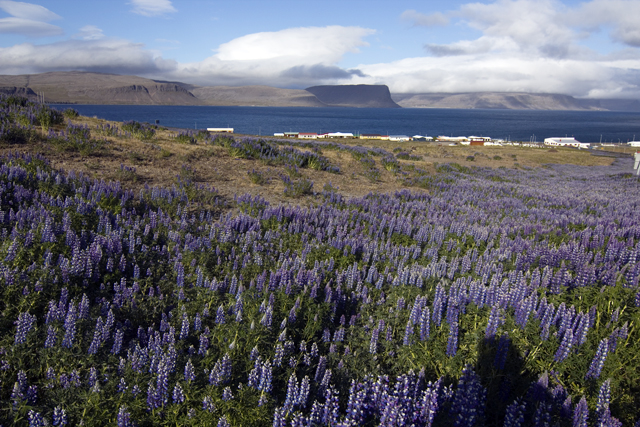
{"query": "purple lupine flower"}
pixel 227 394
pixel 254 375
pixel 502 352
pixel 59 416
pixel 279 419
pixel 468 402
pixel 279 354
pixel 604 396
pixel 204 344
pixel 162 384
pixel 322 366
pixel 50 341
pixel 408 333
pixel 292 393
pixel 97 339
pixel 184 330
pixel 581 413
pixel 303 392
pixel 452 342
pixel 117 342
pixel 70 327
pixel 373 343
pixel 122 386
pixel 598 360
pixel 189 372
pixel 220 318
pixel 207 404
pixel 23 325
pixel 178 394
pixel 265 377
pixel 565 346
pixel 331 409
pixel 35 419
pixel 222 422
pixel 124 417
pixel 428 403
pixel 493 323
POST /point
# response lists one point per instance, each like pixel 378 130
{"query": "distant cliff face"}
pixel 363 96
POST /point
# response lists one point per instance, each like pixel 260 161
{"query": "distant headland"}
pixel 77 87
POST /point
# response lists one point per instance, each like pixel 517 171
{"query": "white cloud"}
pixel 291 57
pixel 418 19
pixel 152 7
pixel 621 15
pixel 315 44
pixel 525 46
pixel 28 27
pixel 28 11
pixel 28 19
pixel 90 32
pixel 104 55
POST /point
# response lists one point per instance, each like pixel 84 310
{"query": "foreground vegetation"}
pixel 499 297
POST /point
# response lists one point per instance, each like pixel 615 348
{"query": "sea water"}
pixel 513 125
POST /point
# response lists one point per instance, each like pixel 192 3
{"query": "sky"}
pixel 587 49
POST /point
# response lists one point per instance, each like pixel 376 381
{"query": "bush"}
pixel 70 113
pixel 142 131
pixel 257 177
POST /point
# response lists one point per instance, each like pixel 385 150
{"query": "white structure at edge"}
pixel 220 130
pixel 566 142
pixel 634 143
pixel 636 165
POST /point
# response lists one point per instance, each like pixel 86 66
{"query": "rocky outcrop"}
pixel 362 96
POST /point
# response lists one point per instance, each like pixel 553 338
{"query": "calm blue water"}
pixel 516 125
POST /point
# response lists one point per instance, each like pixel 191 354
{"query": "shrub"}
pixel 70 113
pixel 142 131
pixel 257 177
pixel 186 138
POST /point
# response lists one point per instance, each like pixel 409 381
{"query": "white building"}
pixel 399 138
pixel 566 142
pixel 340 135
pixel 459 139
pixel 220 130
pixel 308 135
pixel 634 143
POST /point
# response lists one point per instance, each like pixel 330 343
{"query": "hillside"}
pixel 371 96
pixel 263 96
pixel 96 88
pixel 511 100
pixel 156 278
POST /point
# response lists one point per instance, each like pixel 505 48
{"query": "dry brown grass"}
pixel 159 161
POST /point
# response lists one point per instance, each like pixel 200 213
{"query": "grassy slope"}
pixel 158 161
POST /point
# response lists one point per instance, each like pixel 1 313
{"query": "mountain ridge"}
pixel 78 87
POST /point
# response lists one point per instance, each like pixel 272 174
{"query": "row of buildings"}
pixel 374 136
pixel 452 140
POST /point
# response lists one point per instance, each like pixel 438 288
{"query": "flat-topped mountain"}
pixel 371 96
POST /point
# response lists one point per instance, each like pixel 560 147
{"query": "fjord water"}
pixel 514 125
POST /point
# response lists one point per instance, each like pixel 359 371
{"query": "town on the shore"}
pixel 566 141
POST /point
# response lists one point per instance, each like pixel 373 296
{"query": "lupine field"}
pixel 500 297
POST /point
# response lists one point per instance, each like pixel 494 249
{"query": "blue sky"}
pixel 580 48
